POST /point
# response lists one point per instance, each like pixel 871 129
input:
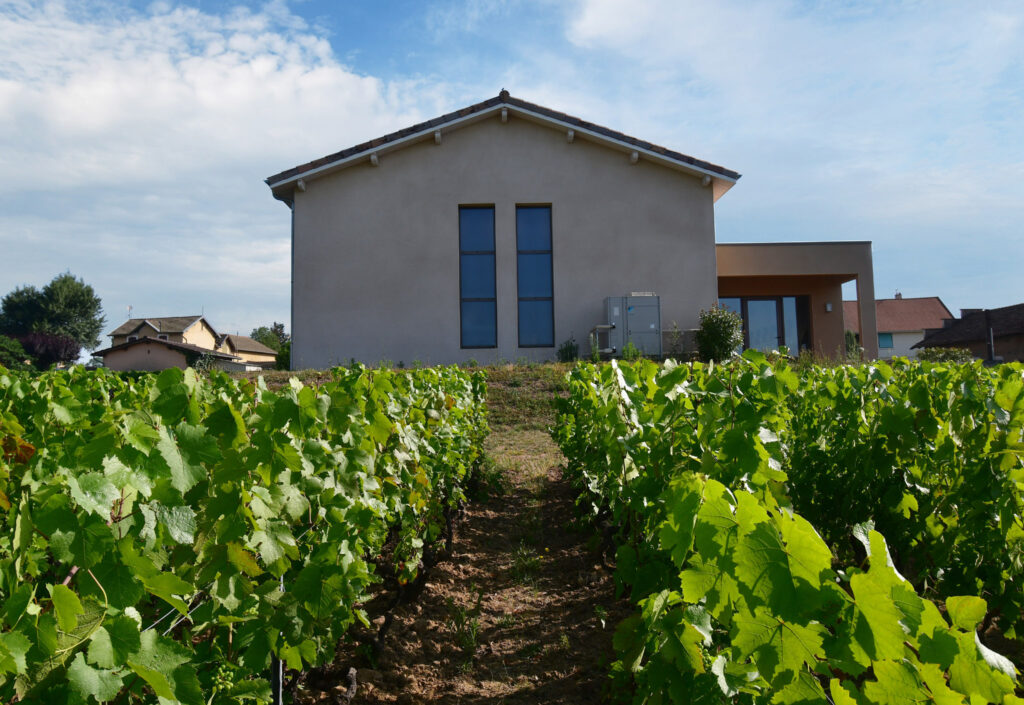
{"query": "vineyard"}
pixel 846 534
pixel 168 536
pixel 850 535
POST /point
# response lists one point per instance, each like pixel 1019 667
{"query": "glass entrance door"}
pixel 763 326
pixel 770 322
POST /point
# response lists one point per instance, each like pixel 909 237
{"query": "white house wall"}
pixel 901 343
pixel 376 248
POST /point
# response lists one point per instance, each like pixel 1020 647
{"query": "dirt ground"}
pixel 523 612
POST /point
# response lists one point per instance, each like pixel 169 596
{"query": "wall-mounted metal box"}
pixel 636 318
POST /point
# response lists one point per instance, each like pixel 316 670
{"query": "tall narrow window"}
pixel 477 294
pixel 535 277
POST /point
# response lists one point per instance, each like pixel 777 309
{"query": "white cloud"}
pixel 896 122
pixel 133 146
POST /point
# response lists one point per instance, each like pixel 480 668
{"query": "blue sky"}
pixel 135 137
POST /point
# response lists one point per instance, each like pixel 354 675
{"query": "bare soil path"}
pixel 522 612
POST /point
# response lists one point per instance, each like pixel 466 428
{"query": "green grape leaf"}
pixel 776 645
pixel 180 521
pixel 66 606
pixel 85 545
pixel 803 689
pixel 94 493
pixel 13 648
pixel 140 434
pixel 873 597
pixel 101 684
pixel 895 683
pixel 256 689
pixel 970 673
pixel 242 559
pixel 967 611
pixel 156 662
pixel 120 587
pixel 114 642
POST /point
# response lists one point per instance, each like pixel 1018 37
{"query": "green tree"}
pixel 72 309
pixel 284 356
pixel 13 355
pixel 20 311
pixel 273 336
pixel 66 307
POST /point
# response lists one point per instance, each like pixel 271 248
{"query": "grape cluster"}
pixel 224 678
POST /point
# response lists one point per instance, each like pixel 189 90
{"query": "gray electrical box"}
pixel 636 318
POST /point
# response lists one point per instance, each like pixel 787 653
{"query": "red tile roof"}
pixel 900 315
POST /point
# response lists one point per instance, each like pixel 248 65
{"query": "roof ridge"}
pixel 503 98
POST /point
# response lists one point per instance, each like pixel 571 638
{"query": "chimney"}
pixel 898 296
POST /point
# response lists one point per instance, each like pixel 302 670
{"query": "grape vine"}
pixel 150 521
pixel 689 471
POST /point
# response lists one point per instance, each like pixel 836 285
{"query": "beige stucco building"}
pixel 497 232
pixel 150 344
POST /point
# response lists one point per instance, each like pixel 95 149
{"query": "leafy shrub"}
pixel 12 355
pixel 284 356
pixel 568 351
pixel 719 334
pixel 595 351
pixel 630 352
pixel 958 355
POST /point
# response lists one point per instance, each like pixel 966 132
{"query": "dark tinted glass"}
pixel 476 229
pixel 479 324
pixel 885 340
pixel 534 276
pixel 478 276
pixel 789 320
pixel 536 323
pixel 533 227
pixel 763 324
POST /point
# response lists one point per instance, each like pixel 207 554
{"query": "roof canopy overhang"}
pixel 284 184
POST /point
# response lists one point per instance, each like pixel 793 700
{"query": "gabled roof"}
pixel 901 315
pixel 181 347
pixel 283 183
pixel 244 343
pixel 168 324
pixel 973 327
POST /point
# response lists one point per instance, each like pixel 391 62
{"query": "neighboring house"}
pixel 901 322
pixel 180 341
pixel 248 349
pixel 977 328
pixel 152 354
pixel 193 330
pixel 498 231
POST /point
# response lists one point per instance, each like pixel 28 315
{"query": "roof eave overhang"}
pixel 283 189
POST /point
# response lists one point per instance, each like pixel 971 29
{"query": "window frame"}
pixel 551 253
pixel 494 274
pixel 780 317
pixel 891 344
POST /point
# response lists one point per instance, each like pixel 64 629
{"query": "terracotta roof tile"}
pixel 900 315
